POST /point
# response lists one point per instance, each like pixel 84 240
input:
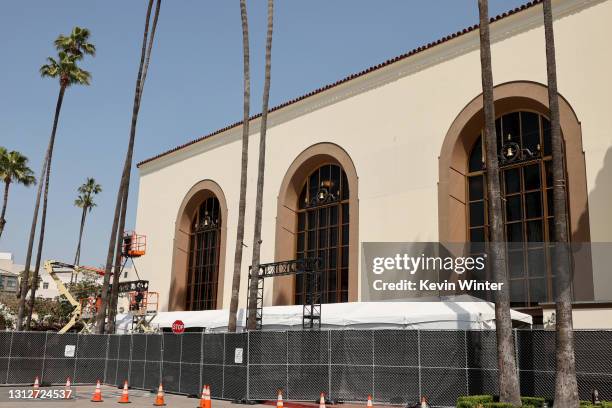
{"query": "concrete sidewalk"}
pixel 138 398
pixel 110 396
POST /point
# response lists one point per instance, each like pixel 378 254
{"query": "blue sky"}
pixel 194 85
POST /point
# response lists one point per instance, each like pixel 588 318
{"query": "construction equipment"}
pixel 133 245
pixel 54 269
pixel 143 304
pixel 143 308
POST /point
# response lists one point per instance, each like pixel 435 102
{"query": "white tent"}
pixel 461 315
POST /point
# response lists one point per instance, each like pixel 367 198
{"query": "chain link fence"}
pixel 394 366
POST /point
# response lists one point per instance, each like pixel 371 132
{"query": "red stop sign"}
pixel 178 327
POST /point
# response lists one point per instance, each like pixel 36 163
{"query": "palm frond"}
pixel 14 168
pixel 87 191
pixel 77 43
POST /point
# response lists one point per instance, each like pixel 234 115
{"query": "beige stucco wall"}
pixel 392 123
pixel 589 318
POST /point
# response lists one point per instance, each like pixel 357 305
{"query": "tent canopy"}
pixel 358 315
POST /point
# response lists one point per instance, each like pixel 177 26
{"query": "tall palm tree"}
pixel 66 70
pixel 566 386
pixel 77 43
pixel 85 201
pixel 13 169
pixel 231 327
pixel 508 380
pixel 260 172
pixel 114 246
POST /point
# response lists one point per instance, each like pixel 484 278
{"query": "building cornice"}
pixel 504 26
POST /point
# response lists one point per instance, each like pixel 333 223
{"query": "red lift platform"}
pixel 134 245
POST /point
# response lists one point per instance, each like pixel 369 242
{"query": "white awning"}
pixel 358 315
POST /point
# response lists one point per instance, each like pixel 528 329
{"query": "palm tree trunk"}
pixel 231 327
pixel 508 378
pixel 119 216
pixel 4 204
pixel 118 255
pixel 41 239
pixel 566 387
pixel 77 255
pixel 23 290
pixel 252 306
pixel 114 297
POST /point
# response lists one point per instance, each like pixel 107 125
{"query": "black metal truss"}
pixel 310 268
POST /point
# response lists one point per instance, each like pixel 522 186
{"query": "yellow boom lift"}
pixel 54 269
pixel 143 304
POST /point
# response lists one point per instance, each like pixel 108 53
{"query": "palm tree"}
pixel 77 43
pixel 114 245
pixel 508 380
pixel 85 201
pixel 260 172
pixel 66 70
pixel 13 169
pixel 231 327
pixel 566 386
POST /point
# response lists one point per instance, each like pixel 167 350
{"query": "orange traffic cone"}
pixel 125 397
pixel 159 399
pixel 202 403
pixel 322 400
pixel 205 399
pixel 68 389
pixel 369 405
pixel 36 383
pixel 97 395
pixel 279 400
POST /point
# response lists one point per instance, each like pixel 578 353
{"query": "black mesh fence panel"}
pixel 153 361
pixel 171 362
pixel 235 366
pixel 5 352
pixel 26 358
pixel 394 366
pixel 308 357
pixel 213 356
pixel 593 362
pixel 191 357
pixel 91 360
pixel 112 354
pixel 59 357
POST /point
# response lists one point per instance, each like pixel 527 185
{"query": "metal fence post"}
pixel 223 371
pixel 287 362
pixel 419 360
pixel 248 393
pixel 467 373
pixel 373 352
pixel 42 370
pixel 161 358
pixel 8 366
pixel 180 361
pixel 76 356
pixel 118 357
pixel 329 361
pixel 201 383
pixel 130 357
pixel 144 364
pixel 106 358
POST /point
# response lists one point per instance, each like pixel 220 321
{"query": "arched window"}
pixel 524 144
pixel 202 276
pixel 323 231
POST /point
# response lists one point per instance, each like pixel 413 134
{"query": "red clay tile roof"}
pixel 351 77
